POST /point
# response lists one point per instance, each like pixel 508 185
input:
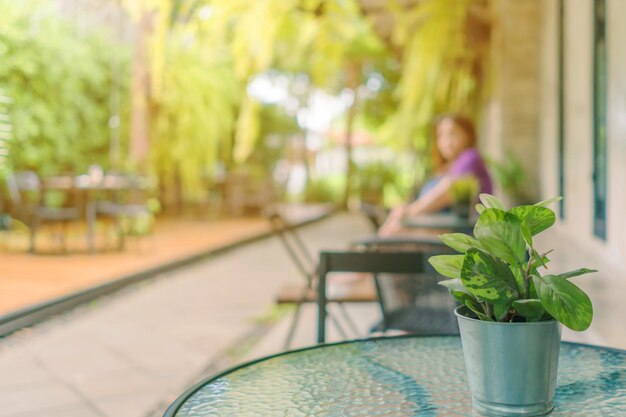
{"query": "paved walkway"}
pixel 27 279
pixel 127 355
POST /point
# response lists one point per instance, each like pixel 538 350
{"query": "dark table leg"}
pixel 321 302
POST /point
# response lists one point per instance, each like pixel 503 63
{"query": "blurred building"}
pixel 559 103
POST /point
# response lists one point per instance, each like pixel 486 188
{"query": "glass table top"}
pixel 400 376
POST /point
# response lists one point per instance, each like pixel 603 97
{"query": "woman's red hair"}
pixel 460 121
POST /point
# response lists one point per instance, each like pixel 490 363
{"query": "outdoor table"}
pixel 439 221
pixel 90 184
pixel 87 184
pixel 393 376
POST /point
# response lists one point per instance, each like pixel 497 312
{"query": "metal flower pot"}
pixel 511 367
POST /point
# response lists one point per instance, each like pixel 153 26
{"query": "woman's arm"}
pixel 434 200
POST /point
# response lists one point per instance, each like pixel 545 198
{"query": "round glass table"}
pixel 395 376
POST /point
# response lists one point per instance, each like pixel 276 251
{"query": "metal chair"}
pixel 28 205
pixel 429 310
pixel 354 291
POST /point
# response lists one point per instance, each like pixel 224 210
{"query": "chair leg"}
pixel 338 325
pixel 381 302
pixel 296 318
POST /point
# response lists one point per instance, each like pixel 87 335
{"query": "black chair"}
pixel 429 309
pixel 27 198
pixel 353 291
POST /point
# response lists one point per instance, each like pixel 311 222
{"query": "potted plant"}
pixel 510 312
pixel 463 193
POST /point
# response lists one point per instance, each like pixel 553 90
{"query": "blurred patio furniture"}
pixel 405 298
pixel 245 192
pixel 427 308
pixel 449 222
pixel 351 289
pixel 27 195
pixel 113 196
pixel 402 376
pixel 121 197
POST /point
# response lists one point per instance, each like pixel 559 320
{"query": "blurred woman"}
pixel 455 156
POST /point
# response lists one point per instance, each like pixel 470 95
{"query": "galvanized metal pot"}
pixel 511 367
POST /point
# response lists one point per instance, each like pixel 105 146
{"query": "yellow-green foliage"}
pixel 195 114
pixel 443 69
pixel 5 132
pixel 199 77
pixel 61 86
pixel 200 66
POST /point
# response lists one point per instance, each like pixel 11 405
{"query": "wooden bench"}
pixel 344 288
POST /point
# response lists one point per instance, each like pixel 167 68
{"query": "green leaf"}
pixel 499 233
pixel 526 234
pixel 477 309
pixel 490 201
pixel 458 291
pixel 564 301
pixel 454 285
pixel 538 218
pixel 462 297
pixel 519 278
pixel 480 208
pixel 488 278
pixel 500 311
pixel 447 265
pixel 460 242
pixel 532 309
pixel 549 201
pixel 577 272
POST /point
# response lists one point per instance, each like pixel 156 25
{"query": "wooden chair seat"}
pixel 344 288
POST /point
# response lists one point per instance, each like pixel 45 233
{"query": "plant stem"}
pixel 525 279
pixel 488 310
pixel 527 275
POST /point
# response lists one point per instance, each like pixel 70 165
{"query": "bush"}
pixel 61 88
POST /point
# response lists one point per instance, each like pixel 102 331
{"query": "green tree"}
pixel 61 86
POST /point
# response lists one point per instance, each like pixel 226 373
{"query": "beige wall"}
pixel 548 105
pixel 579 123
pixel 616 25
pixel 579 115
pixel 512 120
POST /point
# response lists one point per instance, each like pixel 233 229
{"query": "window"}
pixel 599 119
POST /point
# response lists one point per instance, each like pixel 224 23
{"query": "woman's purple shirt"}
pixel 471 163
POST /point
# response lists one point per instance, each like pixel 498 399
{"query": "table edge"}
pixel 181 399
